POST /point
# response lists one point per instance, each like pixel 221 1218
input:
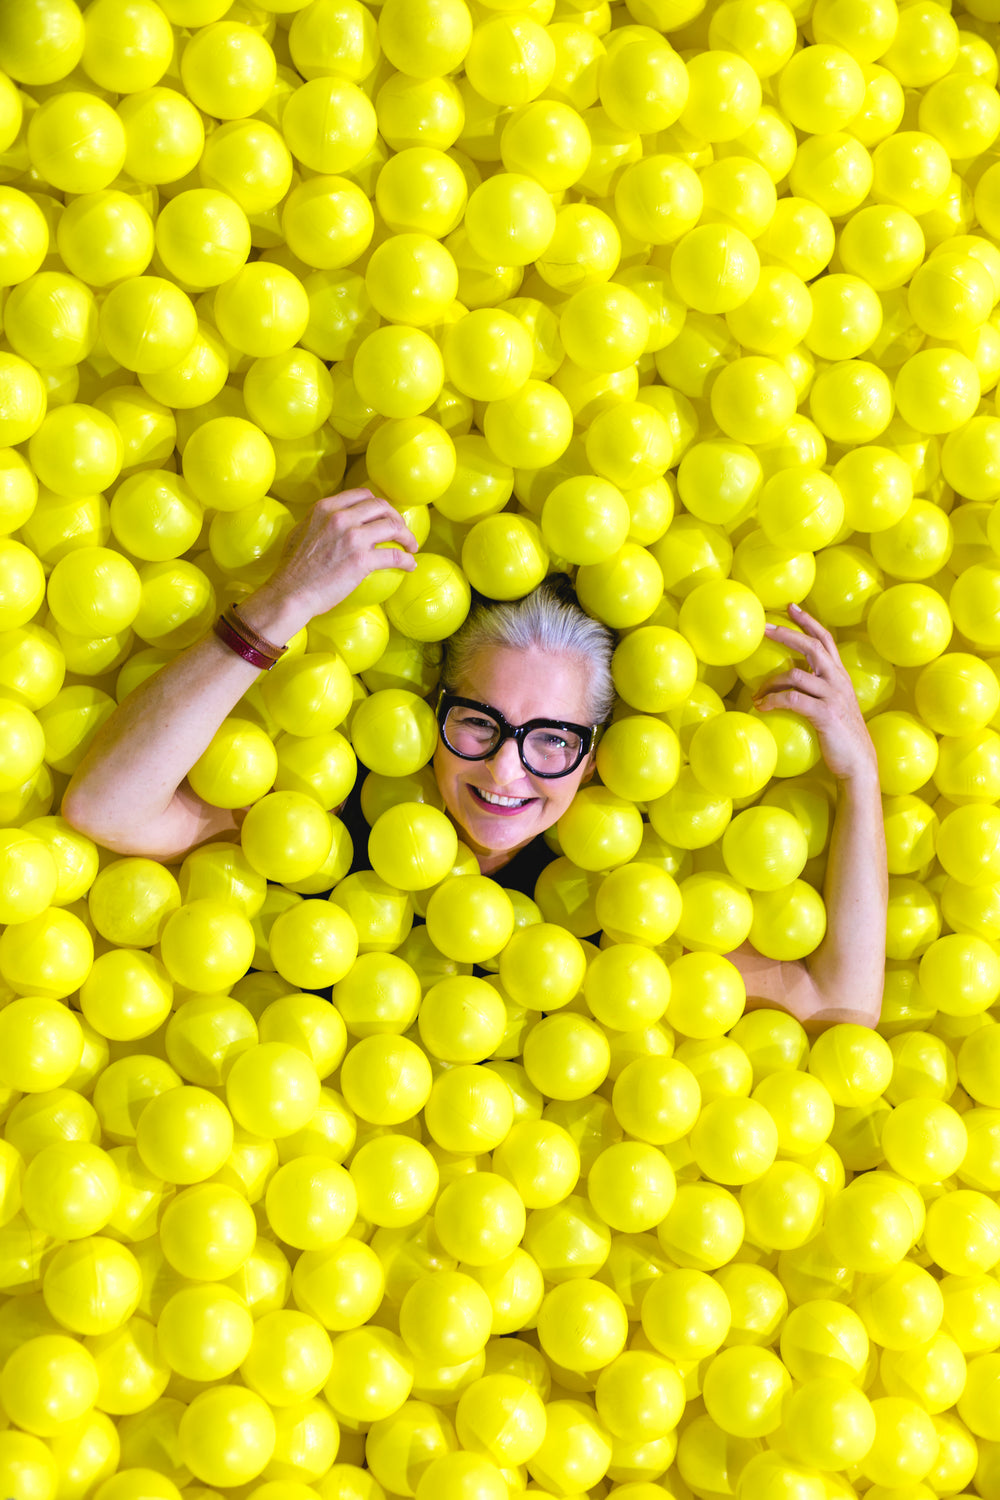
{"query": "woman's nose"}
pixel 506 766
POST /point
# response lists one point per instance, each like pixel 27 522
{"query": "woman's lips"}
pixel 498 808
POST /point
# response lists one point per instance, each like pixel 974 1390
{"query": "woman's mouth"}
pixel 497 803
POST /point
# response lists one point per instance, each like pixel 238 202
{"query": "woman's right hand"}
pixel 333 549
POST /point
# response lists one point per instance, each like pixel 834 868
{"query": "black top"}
pixel 520 874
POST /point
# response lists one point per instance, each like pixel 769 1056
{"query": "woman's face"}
pixel 522 687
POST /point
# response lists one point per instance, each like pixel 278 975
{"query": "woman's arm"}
pixel 129 792
pixel 843 979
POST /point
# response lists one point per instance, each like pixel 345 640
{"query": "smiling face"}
pixel 496 805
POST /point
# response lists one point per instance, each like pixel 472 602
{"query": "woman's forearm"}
pixel 848 967
pixel 842 980
pixel 128 792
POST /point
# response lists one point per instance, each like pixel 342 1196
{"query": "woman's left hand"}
pixel 822 692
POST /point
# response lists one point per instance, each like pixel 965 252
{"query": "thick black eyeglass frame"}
pixel 515 732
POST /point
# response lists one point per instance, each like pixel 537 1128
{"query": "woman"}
pixel 504 779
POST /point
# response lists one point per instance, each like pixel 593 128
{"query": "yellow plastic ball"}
pixel 764 848
pixel 396 1181
pixel 907 752
pixel 788 923
pixel 715 268
pixel 286 836
pixel 164 135
pixel 28 875
pixel 148 324
pixel 445 1317
pixel 599 829
pixel 24 401
pixel 509 219
pixel 959 972
pixel 49 955
pixel 227 1435
pixel 469 1109
pixel 685 1314
pixel 76 142
pixel 462 1020
pixel 851 402
pixel 547 140
pixel 542 966
pixel 905 1445
pixel 830 1422
pixel 504 556
pixel 207 945
pixel 658 199
pixel 47 1381
pixel 501 1416
pixel 724 96
pixel 470 918
pixel 744 1391
pixel 869 1226
pixel 421 190
pixel 184 1135
pixel 412 278
pixel 542 1161
pixel 638 903
pixel 386 1079
pixel 582 1325
pixel 238 767
pixel 339 1286
pixel 971 603
pixel 413 461
pixel 479 1218
pixel 566 1056
pixel 753 400
pixel 631 1186
pixel 510 60
pixel 272 1089
pixel 329 124
pixel 204 1332
pixel 289 1359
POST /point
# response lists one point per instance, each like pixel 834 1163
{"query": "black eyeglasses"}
pixel 547 747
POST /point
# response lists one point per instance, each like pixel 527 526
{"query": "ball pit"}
pixel 700 301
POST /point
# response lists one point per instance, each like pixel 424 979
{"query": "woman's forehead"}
pixel 527 685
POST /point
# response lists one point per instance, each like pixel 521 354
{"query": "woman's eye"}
pixel 476 724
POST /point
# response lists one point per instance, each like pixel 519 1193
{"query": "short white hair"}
pixel 549 619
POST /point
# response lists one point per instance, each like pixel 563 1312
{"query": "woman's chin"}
pixel 494 833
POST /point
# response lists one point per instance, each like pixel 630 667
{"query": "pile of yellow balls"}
pixel 697 300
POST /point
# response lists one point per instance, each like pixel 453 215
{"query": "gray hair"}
pixel 549 619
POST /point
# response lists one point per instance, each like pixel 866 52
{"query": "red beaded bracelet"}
pixel 231 637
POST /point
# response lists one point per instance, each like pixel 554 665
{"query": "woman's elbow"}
pixel 844 1010
pixel 88 816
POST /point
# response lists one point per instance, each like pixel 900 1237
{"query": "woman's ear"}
pixel 589 768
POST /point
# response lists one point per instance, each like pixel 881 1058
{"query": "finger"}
pixel 389 529
pixel 366 507
pixel 344 499
pixel 392 557
pixel 798 641
pixel 794 702
pixel 797 680
pixel 812 626
pixel 823 659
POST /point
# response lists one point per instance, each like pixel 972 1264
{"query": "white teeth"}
pixel 501 801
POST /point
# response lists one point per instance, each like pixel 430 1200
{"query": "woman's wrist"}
pixel 274 617
pixel 862 779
